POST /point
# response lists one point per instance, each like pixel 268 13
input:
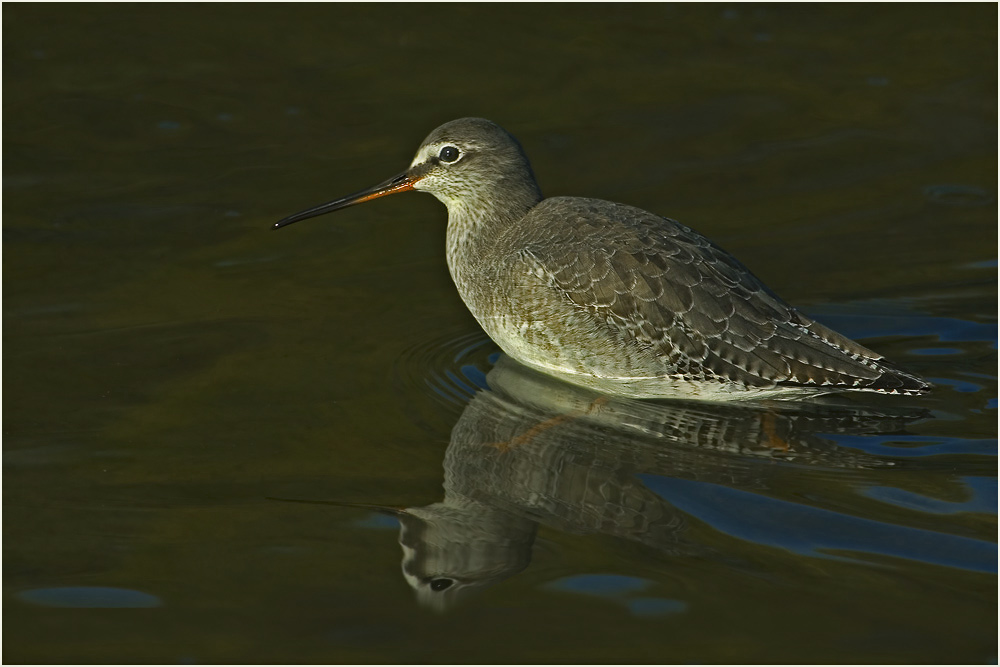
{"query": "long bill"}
pixel 399 183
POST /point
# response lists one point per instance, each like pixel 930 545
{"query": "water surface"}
pixel 226 444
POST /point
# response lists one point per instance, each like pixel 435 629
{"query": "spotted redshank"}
pixel 611 297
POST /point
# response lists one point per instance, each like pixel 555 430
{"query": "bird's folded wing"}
pixel 665 287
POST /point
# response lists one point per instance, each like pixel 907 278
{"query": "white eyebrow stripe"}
pixel 432 150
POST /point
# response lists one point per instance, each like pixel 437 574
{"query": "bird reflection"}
pixel 532 450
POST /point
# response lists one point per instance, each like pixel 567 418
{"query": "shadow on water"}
pixel 530 451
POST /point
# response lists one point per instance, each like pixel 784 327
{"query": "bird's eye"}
pixel 448 154
pixel 441 584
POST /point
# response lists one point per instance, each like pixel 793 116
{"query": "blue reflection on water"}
pixel 446 389
pixel 656 606
pixel 881 445
pixel 475 375
pixel 619 588
pixel 957 385
pixel 457 382
pixel 90 597
pixel 877 319
pixel 807 530
pixel 984 264
pixel 378 521
pixel 603 585
pixel 982 489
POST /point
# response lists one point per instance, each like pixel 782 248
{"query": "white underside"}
pixel 680 388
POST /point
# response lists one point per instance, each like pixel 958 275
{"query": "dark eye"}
pixel 448 154
pixel 441 584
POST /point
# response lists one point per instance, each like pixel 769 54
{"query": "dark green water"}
pixel 175 373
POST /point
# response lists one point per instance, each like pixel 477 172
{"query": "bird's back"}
pixel 624 301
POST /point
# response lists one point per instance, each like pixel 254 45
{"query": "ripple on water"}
pixel 436 378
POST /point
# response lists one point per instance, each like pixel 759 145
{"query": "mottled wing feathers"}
pixel 676 296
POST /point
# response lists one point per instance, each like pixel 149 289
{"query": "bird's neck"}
pixel 475 225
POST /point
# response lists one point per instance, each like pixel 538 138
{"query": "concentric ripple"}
pixel 436 378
